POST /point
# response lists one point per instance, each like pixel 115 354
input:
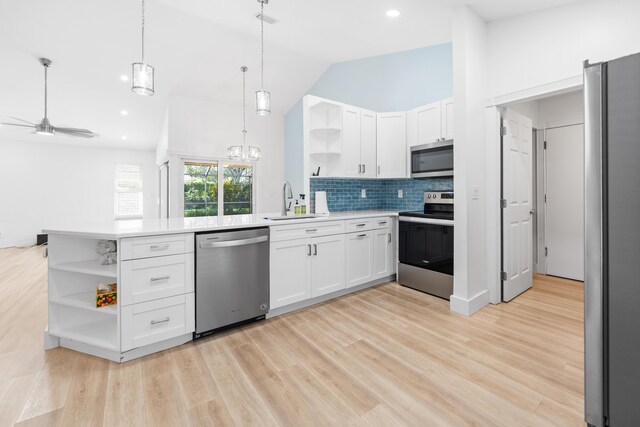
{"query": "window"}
pixel 217 188
pixel 128 192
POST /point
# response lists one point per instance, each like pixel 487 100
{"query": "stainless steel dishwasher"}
pixel 232 278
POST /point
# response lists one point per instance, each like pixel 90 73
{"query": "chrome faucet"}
pixel 286 195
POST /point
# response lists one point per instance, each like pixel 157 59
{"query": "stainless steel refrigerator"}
pixel 612 261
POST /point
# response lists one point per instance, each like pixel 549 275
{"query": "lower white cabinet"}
pixel 306 268
pixel 383 254
pixel 360 258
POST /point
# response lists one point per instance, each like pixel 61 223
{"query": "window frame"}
pixel 221 162
pixel 117 169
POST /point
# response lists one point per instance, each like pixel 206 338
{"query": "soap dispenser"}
pixel 303 206
pixel 296 208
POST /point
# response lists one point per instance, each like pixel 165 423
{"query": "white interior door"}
pixel 517 189
pixel 564 225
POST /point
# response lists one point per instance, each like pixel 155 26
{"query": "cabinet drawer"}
pixel 382 222
pixel 301 231
pixel 147 247
pixel 361 224
pixel 155 321
pixel 154 278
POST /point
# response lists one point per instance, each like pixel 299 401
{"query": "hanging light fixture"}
pixel 242 152
pixel 142 73
pixel 263 97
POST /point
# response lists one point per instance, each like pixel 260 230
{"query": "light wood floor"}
pixel 385 356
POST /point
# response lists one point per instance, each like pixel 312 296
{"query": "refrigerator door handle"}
pixel 594 284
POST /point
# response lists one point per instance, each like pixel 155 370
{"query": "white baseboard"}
pixel 17 243
pixel 470 306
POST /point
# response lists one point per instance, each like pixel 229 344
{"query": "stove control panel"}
pixel 443 197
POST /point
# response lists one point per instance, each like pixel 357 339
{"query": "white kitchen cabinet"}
pixel 358 143
pixel 382 253
pixel 306 268
pixel 290 272
pixel 430 123
pixel 327 264
pixel 360 258
pixel 392 145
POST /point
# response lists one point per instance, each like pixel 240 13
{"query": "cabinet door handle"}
pixel 158 279
pixel 309 252
pixel 364 168
pixel 378 169
pixel 159 247
pixel 389 234
pixel 315 249
pixel 359 168
pixel 165 320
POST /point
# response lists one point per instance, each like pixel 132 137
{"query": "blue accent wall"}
pixel 394 82
pixel 344 194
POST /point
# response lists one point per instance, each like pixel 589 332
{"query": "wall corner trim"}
pixel 468 307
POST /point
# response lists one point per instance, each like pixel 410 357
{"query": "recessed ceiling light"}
pixel 124 112
pixel 124 137
pixel 393 13
pixel 124 78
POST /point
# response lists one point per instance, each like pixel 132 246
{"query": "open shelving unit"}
pixel 74 274
pixel 324 136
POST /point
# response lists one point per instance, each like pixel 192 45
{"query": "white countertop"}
pixel 135 228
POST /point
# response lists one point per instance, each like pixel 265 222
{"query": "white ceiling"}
pixel 197 48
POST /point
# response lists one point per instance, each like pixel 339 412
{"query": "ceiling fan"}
pixel 44 127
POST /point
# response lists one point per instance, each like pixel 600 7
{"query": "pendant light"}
pixel 263 97
pixel 142 73
pixel 241 152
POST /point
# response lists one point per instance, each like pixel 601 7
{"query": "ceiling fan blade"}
pixel 21 120
pixel 17 124
pixel 84 133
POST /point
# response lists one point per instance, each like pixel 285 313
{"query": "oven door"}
pixel 432 160
pixel 428 246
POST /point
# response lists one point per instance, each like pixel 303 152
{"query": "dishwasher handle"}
pixel 230 243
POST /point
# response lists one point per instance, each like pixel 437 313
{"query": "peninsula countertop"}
pixel 113 230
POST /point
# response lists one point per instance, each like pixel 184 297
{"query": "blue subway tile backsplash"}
pixel 343 194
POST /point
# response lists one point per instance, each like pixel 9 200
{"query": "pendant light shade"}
pixel 263 103
pixel 142 79
pixel 142 74
pixel 242 153
pixel 263 97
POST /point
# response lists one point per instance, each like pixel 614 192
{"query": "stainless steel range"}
pixel 426 246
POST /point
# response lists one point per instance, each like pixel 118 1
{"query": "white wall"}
pixel 48 184
pixel 549 46
pixel 200 129
pixel 561 110
pixel 470 291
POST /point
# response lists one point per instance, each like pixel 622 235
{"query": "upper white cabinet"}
pixel 358 143
pixel 430 123
pixel 392 145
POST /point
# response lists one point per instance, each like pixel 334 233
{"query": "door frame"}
pixel 493 166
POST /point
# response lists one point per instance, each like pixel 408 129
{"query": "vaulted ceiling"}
pixel 197 48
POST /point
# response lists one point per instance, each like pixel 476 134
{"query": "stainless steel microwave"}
pixel 432 160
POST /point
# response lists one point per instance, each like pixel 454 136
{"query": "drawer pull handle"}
pixel 426 262
pixel 382 222
pixel 360 236
pixel 360 225
pixel 158 279
pixel 312 230
pixel 159 247
pixel 165 320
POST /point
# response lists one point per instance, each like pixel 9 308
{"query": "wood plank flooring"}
pixel 381 357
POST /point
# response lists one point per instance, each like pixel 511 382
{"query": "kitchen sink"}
pixel 286 218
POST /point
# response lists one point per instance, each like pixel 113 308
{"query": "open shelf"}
pixel 88 267
pixel 98 334
pixel 85 301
